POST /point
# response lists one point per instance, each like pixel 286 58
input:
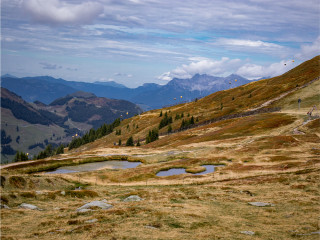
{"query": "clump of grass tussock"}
pixel 18 182
pixel 280 158
pixel 310 138
pixel 141 177
pixel 82 193
pixel 4 199
pixel 28 194
pixel 46 223
pixel 202 224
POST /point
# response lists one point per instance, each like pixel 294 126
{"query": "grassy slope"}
pixel 29 134
pixel 265 160
pixel 210 106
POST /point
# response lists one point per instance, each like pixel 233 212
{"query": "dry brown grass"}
pixel 214 210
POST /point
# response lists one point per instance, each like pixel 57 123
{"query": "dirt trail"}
pixel 14 164
pixel 267 103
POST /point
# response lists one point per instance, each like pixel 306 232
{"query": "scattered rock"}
pixel 132 198
pixel 261 204
pixel 99 204
pixel 248 233
pixel 92 221
pixel 151 227
pixel 40 192
pixel 3 206
pixel 29 206
pixel 63 193
pixel 308 234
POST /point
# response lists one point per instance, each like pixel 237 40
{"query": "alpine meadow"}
pixel 160 120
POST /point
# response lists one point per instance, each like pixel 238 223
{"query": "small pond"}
pixel 87 167
pixel 176 171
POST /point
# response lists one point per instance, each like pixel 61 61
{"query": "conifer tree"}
pixel 130 142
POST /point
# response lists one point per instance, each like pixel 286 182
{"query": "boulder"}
pixel 248 233
pixel 132 198
pixel 92 220
pixel 261 204
pixel 29 206
pixel 99 204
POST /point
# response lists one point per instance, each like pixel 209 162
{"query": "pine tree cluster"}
pixel 186 123
pixel 152 136
pixel 20 156
pixel 165 121
pixel 92 135
pixel 49 151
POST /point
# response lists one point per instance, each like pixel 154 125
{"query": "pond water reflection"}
pixel 87 167
pixel 176 171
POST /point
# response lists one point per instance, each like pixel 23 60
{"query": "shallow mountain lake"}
pixel 176 171
pixel 87 167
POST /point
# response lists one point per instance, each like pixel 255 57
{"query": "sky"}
pixel 134 42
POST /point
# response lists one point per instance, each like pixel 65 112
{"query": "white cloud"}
pixel 123 75
pixel 309 51
pixel 7 39
pixel 49 66
pixel 247 43
pixel 202 66
pixel 165 76
pixel 59 12
pixel 251 46
pixel 226 66
pixel 254 71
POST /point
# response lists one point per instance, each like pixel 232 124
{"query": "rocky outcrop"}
pixel 95 204
pixel 29 206
pixel 133 198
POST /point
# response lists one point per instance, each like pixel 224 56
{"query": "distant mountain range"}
pixel 149 96
pixel 29 127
